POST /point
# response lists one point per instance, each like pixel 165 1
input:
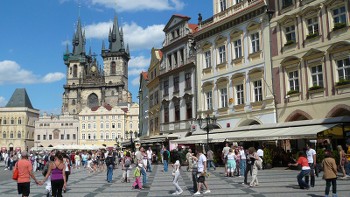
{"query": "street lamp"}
pixel 131 141
pixel 210 122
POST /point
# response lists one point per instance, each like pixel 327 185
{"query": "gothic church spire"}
pixel 79 40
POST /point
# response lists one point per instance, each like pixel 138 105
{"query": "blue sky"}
pixel 34 34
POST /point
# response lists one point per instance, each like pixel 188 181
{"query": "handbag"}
pixel 15 173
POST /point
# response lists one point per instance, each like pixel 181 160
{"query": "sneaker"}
pixel 197 193
pixel 180 192
pixel 207 191
pixel 175 193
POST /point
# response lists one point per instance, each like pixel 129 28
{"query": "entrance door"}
pixel 11 147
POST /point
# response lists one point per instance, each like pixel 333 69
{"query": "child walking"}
pixel 137 175
pixel 176 174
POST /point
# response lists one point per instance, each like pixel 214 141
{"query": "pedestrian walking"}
pixel 67 168
pixel 110 166
pixel 242 163
pixel 305 170
pixel 202 162
pixel 176 175
pixel 225 151
pixel 166 155
pixel 210 157
pixel 77 160
pixel 25 172
pixel 311 158
pixel 57 173
pixel 189 159
pixel 231 163
pixel 45 170
pixel 137 174
pixel 249 166
pixel 254 155
pixel 126 167
pixel 342 161
pixel 330 173
pixel 149 159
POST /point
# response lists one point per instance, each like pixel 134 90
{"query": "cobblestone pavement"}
pixel 272 183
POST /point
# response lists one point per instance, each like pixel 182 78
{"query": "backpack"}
pixel 109 161
pixel 127 162
pixel 258 163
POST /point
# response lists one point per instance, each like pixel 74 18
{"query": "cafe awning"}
pixel 259 134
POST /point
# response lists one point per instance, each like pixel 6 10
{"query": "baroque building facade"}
pixel 17 120
pixel 90 85
pixel 143 104
pixel 53 130
pixel 177 77
pixel 108 125
pixel 311 59
pixel 234 65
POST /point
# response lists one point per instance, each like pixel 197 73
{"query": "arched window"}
pixel 107 136
pixel 113 68
pixel 19 135
pixel 11 135
pixel 19 121
pixel 4 135
pixel 101 136
pixel 12 121
pixel 94 136
pixel 92 100
pixel 75 70
pixel 73 102
pixel 89 136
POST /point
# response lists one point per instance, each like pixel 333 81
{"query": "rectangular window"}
pixel 156 122
pixel 119 125
pixel 222 54
pixel 238 48
pixel 255 42
pixel 151 100
pixel 339 15
pixel 317 76
pixel 177 111
pixel 107 125
pixel 343 67
pixel 166 113
pixel 50 137
pixel 101 136
pixel 222 5
pixel 101 125
pixel 312 25
pixel 286 3
pixel 156 97
pixel 207 56
pixel 83 136
pixel 68 137
pixel 151 125
pixel 257 90
pixel 239 94
pixel 188 84
pixel 290 33
pixel 189 110
pixel 175 60
pixel 223 94
pixel 209 101
pixel 89 126
pixel 44 137
pixel 38 137
pixel 166 88
pixel 293 78
pixel 74 137
pixel 113 125
pixel 176 84
pixel 62 137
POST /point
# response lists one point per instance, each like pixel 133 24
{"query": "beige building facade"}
pixel 53 130
pixel 311 59
pixel 234 65
pixel 17 120
pixel 107 125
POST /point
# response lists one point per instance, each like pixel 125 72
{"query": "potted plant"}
pixel 339 26
pixel 268 158
pixel 342 82
pixel 315 87
pixel 311 36
pixel 290 92
pixel 289 42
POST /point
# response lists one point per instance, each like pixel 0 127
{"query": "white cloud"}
pixel 136 36
pixel 136 81
pixel 139 62
pixel 12 73
pixel 135 71
pixel 52 77
pixel 2 101
pixel 137 5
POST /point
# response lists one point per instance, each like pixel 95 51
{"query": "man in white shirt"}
pixel 225 151
pixel 202 166
pixel 149 158
pixel 311 158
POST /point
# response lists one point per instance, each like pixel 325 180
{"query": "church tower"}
pixel 90 85
pixel 116 57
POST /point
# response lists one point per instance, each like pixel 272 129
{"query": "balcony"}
pixel 175 126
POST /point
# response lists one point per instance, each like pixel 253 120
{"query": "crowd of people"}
pixel 56 166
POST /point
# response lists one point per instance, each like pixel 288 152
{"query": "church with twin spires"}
pixel 87 83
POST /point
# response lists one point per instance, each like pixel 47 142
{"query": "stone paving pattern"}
pixel 272 183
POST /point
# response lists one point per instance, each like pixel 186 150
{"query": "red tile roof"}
pixel 194 27
pixel 107 106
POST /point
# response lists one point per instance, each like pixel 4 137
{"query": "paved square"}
pixel 272 183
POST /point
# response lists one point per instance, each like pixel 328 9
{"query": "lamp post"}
pixel 210 122
pixel 131 141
